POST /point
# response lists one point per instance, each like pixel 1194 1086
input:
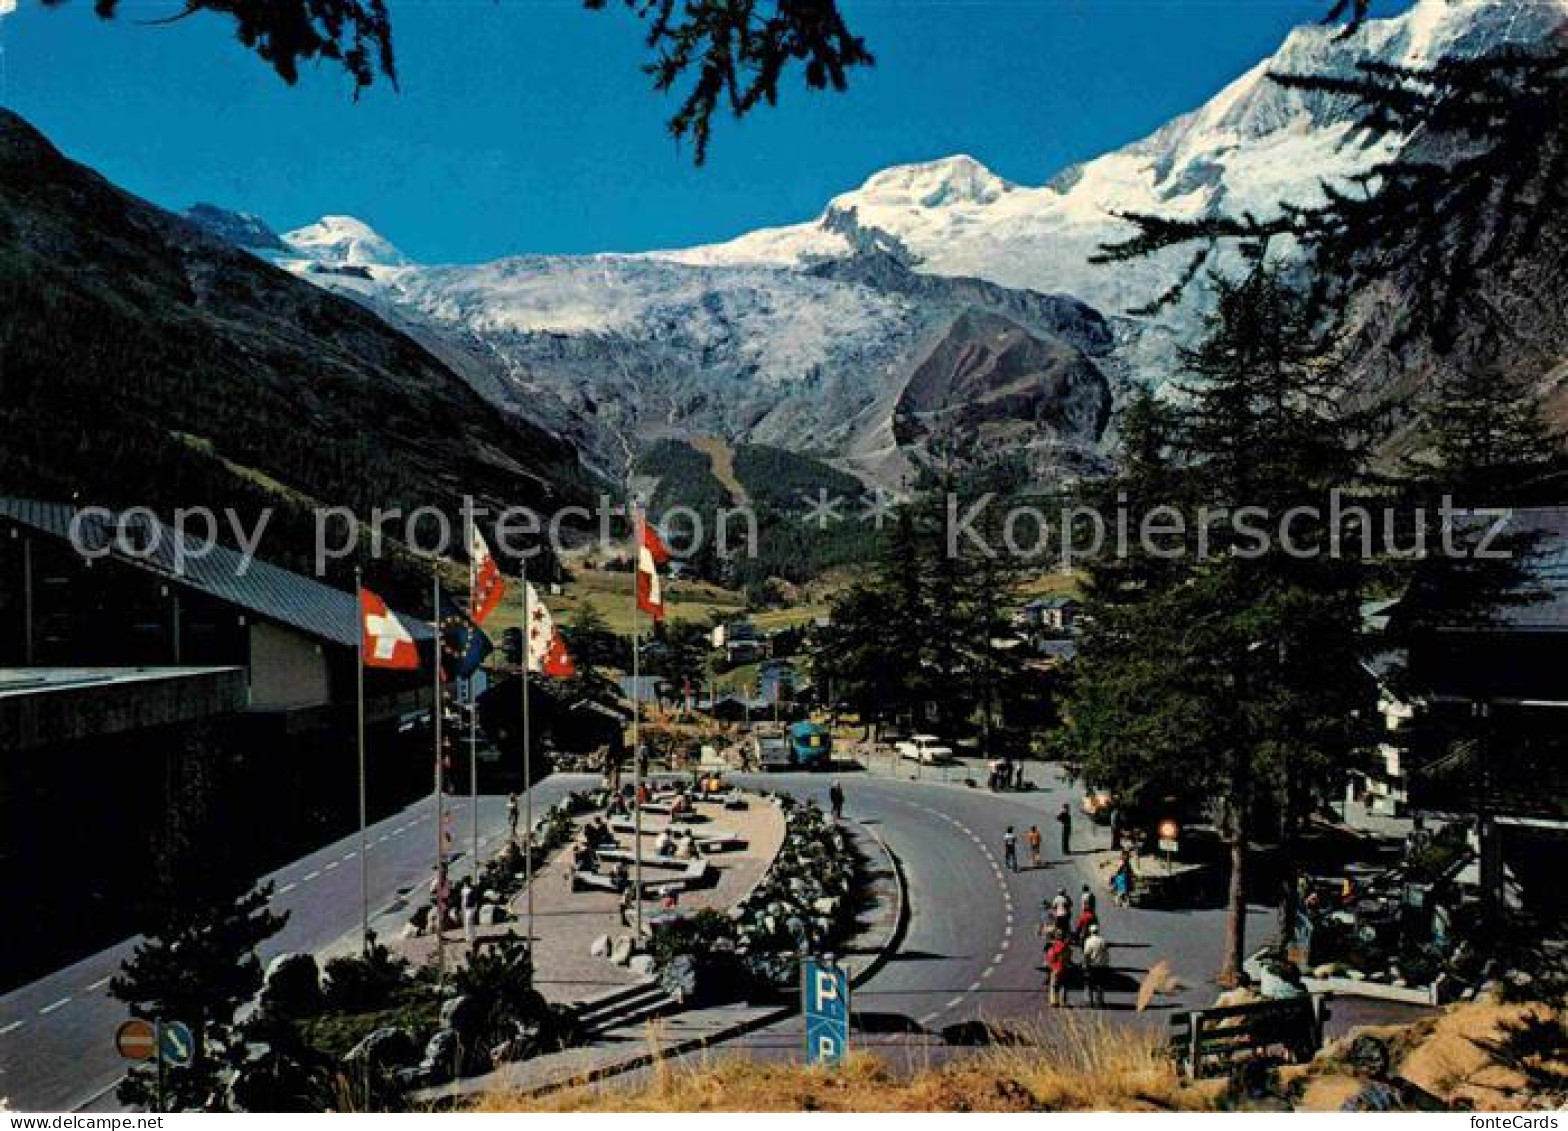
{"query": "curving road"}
pixel 970 953
pixel 57 1034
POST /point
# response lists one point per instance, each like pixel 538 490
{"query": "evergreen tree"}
pixel 1231 672
pixel 198 964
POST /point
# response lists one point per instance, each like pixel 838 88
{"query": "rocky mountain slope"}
pixel 147 362
pixel 813 336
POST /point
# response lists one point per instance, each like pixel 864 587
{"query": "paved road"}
pixel 57 1034
pixel 971 952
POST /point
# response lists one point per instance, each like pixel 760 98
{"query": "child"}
pixel 1058 960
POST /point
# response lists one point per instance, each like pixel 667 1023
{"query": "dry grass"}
pixel 1085 1063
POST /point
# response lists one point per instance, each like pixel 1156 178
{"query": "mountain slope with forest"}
pixel 147 362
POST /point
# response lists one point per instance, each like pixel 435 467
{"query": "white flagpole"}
pixel 637 541
pixel 528 762
pixel 364 867
pixel 473 707
pixel 438 711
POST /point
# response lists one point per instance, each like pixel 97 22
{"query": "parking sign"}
pixel 825 989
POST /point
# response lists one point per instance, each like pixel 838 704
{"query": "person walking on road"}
pixel 1058 965
pixel 1010 849
pixel 1065 819
pixel 1096 959
pixel 1032 838
pixel 1061 912
pixel 511 813
pixel 1122 881
pixel 836 800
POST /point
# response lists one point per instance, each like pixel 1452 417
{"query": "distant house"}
pixel 647 689
pixel 1057 614
pixel 742 643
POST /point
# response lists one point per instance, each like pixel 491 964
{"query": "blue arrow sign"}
pixel 175 1043
pixel 825 990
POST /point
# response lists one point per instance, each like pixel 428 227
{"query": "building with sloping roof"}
pixel 125 652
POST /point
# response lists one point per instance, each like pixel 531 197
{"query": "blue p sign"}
pixel 825 989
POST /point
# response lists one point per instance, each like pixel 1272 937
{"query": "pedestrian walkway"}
pixel 567 923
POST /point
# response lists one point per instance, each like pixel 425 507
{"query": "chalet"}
pixel 1055 615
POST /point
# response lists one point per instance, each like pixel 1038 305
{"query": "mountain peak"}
pixel 345 241
pixel 242 229
pixel 943 183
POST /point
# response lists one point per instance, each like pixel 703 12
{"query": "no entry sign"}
pixel 136 1040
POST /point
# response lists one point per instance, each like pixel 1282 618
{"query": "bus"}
pixel 810 746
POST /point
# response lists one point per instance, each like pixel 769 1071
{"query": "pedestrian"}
pixel 1116 828
pixel 1033 839
pixel 836 800
pixel 511 813
pixel 470 915
pixel 1122 880
pixel 1065 819
pixel 628 904
pixel 1087 921
pixel 1096 959
pixel 1058 963
pixel 1086 898
pixel 1061 912
pixel 1018 777
pixel 1010 849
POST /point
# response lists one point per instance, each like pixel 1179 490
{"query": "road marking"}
pixel 397 832
pixel 349 857
pixel 1007 931
pixel 974 987
pixel 996 960
pixel 312 876
pixel 954 1004
pixel 286 888
pixel 52 1006
pixel 11 1028
pixel 99 984
pixel 987 972
pixel 331 864
pixel 924 1020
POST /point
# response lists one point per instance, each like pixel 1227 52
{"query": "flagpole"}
pixel 473 707
pixel 526 651
pixel 364 867
pixel 436 713
pixel 637 535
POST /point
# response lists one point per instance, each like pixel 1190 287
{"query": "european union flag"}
pixel 464 645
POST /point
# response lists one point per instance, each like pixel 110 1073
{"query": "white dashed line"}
pixel 954 1004
pixel 312 876
pixel 974 987
pixel 11 1028
pixel 331 864
pixel 349 857
pixel 925 1020
pixel 286 888
pixel 98 985
pixel 54 1005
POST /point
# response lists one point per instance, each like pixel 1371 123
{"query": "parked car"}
pixel 770 747
pixel 927 749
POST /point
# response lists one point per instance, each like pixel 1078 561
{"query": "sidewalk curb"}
pixel 885 949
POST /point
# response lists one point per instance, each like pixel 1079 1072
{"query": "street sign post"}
pixel 825 994
pixel 175 1043
pixel 136 1040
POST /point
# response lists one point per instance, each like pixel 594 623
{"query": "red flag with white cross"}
pixel 385 641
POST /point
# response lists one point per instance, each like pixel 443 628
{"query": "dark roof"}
pixel 1061 601
pixel 643 689
pixel 1539 536
pixel 1058 649
pixel 290 599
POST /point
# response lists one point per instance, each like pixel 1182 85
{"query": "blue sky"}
pixel 527 126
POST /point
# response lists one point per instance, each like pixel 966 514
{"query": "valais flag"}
pixel 651 554
pixel 384 640
pixel 489 587
pixel 546 650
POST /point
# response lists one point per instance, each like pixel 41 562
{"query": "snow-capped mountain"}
pixel 344 241
pixel 859 333
pixel 1252 146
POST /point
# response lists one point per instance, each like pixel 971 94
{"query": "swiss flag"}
pixel 651 554
pixel 546 650
pixel 489 587
pixel 384 640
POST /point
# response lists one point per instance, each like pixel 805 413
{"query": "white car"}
pixel 927 749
